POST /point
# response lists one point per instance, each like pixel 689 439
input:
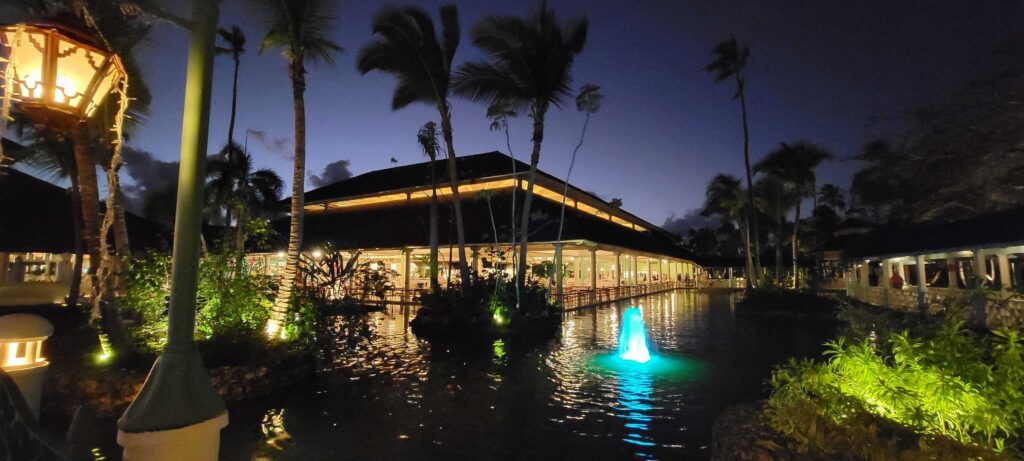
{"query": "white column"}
pixel 650 275
pixel 865 270
pixel 593 268
pixel 618 269
pixel 980 267
pixel 1005 277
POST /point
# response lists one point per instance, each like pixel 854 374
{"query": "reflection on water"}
pixel 388 395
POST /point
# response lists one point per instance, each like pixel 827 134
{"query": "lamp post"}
pixel 178 414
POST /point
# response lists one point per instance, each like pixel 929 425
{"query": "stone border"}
pixel 109 392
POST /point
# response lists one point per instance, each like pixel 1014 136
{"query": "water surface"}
pixel 389 395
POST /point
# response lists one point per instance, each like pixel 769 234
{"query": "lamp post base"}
pixel 196 442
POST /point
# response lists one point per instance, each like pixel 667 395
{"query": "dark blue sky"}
pixel 818 71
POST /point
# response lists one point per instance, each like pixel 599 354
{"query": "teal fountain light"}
pixel 633 345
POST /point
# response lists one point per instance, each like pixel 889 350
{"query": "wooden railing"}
pixel 579 298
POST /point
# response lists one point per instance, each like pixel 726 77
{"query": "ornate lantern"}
pixel 55 68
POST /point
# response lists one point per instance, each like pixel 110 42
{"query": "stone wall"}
pixel 109 392
pixel 1003 310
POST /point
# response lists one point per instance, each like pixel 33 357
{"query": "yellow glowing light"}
pixel 373 266
pixel 317 253
pixel 55 70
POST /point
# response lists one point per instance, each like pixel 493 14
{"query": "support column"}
pixel 406 265
pixel 5 262
pixel 593 269
pixel 1005 277
pixel 884 282
pixel 980 268
pixel 650 275
pixel 922 281
pixel 865 271
pixel 619 269
pixel 952 274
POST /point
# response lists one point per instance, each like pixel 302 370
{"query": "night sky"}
pixel 819 70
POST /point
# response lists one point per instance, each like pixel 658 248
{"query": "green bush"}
pixel 949 391
pixel 485 301
pixel 786 301
pixel 231 301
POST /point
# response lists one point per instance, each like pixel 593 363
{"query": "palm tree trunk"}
pixel 234 104
pixel 512 229
pixel 89 195
pixel 121 242
pixel 746 246
pixel 76 216
pixel 561 218
pixel 796 228
pixel 284 292
pixel 240 232
pixel 435 285
pixel 751 216
pixel 524 225
pixel 453 180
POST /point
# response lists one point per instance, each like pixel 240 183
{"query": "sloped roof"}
pixel 408 225
pixel 36 215
pixel 999 228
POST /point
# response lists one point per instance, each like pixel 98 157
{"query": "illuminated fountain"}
pixel 633 345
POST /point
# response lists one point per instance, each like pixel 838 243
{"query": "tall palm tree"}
pixel 300 29
pixel 427 139
pixel 499 114
pixel 409 47
pixel 250 193
pixel 530 69
pixel 794 165
pixel 730 59
pixel 234 41
pixel 830 195
pixel 588 101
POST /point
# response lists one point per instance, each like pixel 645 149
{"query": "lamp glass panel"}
pixel 28 61
pixel 103 88
pixel 77 66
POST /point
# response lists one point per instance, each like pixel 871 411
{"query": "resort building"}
pixel 920 266
pixel 37 240
pixel 383 217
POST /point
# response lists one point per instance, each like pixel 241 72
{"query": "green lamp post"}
pixel 178 414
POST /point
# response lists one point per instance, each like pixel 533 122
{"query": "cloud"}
pixel 148 175
pixel 691 220
pixel 279 146
pixel 333 172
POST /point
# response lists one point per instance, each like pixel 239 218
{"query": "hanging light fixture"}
pixel 55 68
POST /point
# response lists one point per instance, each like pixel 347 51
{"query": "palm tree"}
pixel 793 165
pixel 499 113
pixel 248 192
pixel 409 48
pixel 830 195
pixel 774 199
pixel 300 28
pixel 234 39
pixel 427 139
pixel 726 198
pixel 530 69
pixel 730 59
pixel 588 101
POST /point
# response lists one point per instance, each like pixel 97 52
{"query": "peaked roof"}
pixel 36 215
pixel 477 166
pixel 470 168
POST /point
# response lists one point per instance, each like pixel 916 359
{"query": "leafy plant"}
pixel 947 390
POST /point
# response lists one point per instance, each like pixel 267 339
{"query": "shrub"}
pixel 489 300
pixel 785 301
pixel 946 391
pixel 231 301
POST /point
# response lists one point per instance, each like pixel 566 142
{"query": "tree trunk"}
pixel 746 247
pixel 76 217
pixel 512 228
pixel 561 218
pixel 89 196
pixel 284 292
pixel 524 225
pixel 234 104
pixel 453 180
pixel 435 285
pixel 796 228
pixel 751 216
pixel 778 253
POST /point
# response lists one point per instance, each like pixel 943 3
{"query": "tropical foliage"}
pixel 942 391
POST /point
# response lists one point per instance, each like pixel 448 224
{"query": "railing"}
pixel 1002 309
pixel 576 299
